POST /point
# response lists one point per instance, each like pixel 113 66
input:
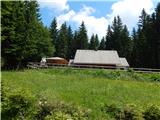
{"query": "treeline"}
pixel 146 40
pixel 24 37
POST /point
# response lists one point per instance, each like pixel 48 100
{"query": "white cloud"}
pixel 130 10
pixel 65 17
pixel 93 24
pixel 58 5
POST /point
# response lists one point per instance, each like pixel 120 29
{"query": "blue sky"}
pixel 97 14
pixel 101 7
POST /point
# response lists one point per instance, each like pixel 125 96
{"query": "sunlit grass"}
pixel 87 88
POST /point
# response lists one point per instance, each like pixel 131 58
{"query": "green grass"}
pixel 88 88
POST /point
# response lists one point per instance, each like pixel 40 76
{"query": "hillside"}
pixel 89 89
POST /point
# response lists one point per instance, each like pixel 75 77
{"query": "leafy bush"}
pixel 129 112
pixel 152 113
pixel 62 111
pixel 112 110
pixel 59 111
pixel 43 108
pixel 58 116
pixel 17 105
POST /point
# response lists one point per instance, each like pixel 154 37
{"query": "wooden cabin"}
pixel 106 58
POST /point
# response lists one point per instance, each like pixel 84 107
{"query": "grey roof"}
pixel 97 57
pixel 124 62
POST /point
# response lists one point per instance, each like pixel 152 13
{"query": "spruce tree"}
pixel 74 43
pixel 69 43
pixel 126 45
pixel 96 42
pixel 102 45
pixel 92 42
pixel 82 38
pixel 134 53
pixel 117 28
pixel 62 41
pixel 38 45
pixel 109 39
pixel 141 46
pixel 54 33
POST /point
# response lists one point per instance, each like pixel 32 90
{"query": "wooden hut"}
pixel 56 61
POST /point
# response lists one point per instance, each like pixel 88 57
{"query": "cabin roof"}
pixel 124 62
pixel 55 58
pixel 97 57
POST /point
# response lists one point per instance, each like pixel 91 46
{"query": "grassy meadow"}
pixel 88 88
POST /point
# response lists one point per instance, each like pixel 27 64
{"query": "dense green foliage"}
pixel 128 112
pixel 147 40
pixel 102 44
pixel 82 38
pixel 152 113
pixel 132 112
pixel 94 42
pixel 53 33
pixel 62 41
pixel 85 92
pixel 24 38
pixel 70 52
pixel 16 104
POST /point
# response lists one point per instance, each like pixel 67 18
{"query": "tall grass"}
pixel 88 88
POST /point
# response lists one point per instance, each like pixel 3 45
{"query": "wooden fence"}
pixel 48 65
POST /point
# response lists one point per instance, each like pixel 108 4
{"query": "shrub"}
pixel 17 105
pixel 129 112
pixel 152 113
pixel 58 116
pixel 62 111
pixel 43 108
pixel 113 111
